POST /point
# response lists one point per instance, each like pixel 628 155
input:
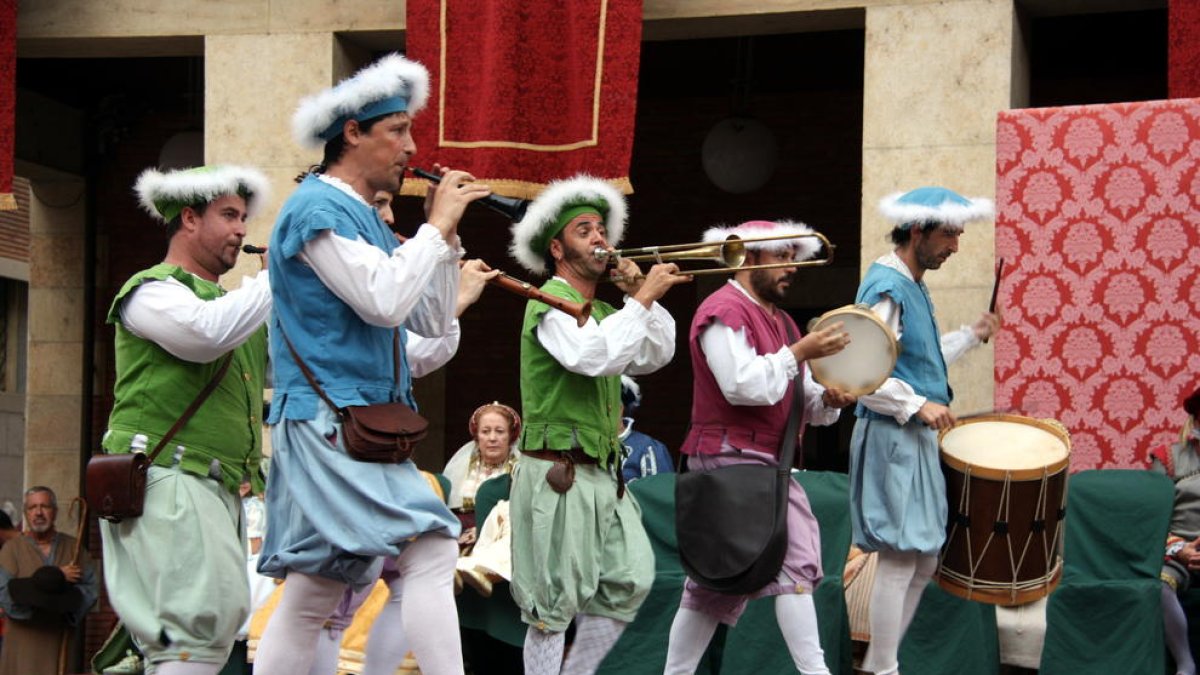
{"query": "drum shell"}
pixel 1002 523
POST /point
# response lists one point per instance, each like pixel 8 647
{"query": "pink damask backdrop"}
pixel 1098 221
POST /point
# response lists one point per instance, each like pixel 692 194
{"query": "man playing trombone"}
pixel 746 354
pixel 580 551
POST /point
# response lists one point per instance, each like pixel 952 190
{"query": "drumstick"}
pixel 995 290
pixel 996 286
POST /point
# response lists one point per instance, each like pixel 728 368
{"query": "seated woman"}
pixel 494 428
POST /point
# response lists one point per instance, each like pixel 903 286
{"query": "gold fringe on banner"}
pixel 7 202
pixel 416 187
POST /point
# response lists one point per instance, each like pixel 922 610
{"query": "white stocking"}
pixel 594 636
pixel 893 575
pixel 1176 633
pixel 386 646
pixel 428 613
pixel 543 652
pixel 187 668
pixel 329 645
pixel 288 644
pixel 691 631
pixel 797 617
pixel 926 565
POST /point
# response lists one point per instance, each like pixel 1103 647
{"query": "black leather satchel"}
pixel 731 523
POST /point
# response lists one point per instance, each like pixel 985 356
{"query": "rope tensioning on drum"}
pixel 962 516
pixel 1039 509
pixel 1001 527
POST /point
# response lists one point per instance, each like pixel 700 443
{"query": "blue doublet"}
pixel 897 490
pixel 328 514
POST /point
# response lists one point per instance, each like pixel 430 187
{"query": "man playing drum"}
pixel 745 356
pixel 1181 560
pixel 897 492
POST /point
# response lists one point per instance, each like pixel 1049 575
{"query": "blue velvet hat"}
pixel 934 205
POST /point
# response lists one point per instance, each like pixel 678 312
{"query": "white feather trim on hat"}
pixel 805 247
pixel 954 210
pixel 392 75
pixel 543 212
pixel 634 388
pixel 200 185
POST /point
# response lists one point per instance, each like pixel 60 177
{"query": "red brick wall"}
pixel 14 225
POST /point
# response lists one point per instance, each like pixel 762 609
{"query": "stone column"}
pixel 252 84
pixel 934 79
pixel 54 405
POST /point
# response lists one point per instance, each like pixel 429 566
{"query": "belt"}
pixel 577 455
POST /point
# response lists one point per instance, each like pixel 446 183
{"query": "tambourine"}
pixel 866 362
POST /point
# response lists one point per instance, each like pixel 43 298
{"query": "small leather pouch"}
pixel 116 485
pixel 561 475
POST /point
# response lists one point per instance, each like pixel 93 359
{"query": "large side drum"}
pixel 1006 481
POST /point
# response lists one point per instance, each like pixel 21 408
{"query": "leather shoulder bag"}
pixel 115 485
pixel 383 433
pixel 731 522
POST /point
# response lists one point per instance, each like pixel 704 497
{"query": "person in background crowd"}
pixel 641 455
pixel 45 590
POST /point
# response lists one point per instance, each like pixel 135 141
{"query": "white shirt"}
pixel 895 397
pixel 170 315
pixel 417 284
pixel 633 341
pixel 746 377
pixel 426 355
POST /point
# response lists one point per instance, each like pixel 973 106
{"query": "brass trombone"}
pixel 730 253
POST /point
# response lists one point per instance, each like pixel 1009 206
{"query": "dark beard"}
pixel 926 260
pixel 760 283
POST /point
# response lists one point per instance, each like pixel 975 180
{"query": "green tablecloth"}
pixel 1106 616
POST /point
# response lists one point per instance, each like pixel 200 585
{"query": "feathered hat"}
pixel 163 195
pixel 390 85
pixel 934 205
pixel 556 206
pixel 631 394
pixel 804 247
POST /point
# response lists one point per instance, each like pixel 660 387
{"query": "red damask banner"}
pixel 524 92
pixel 8 99
pixel 1183 49
pixel 1098 221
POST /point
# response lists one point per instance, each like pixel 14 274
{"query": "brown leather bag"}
pixel 383 433
pixel 115 485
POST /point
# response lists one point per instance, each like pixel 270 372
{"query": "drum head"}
pixel 1008 444
pixel 866 362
